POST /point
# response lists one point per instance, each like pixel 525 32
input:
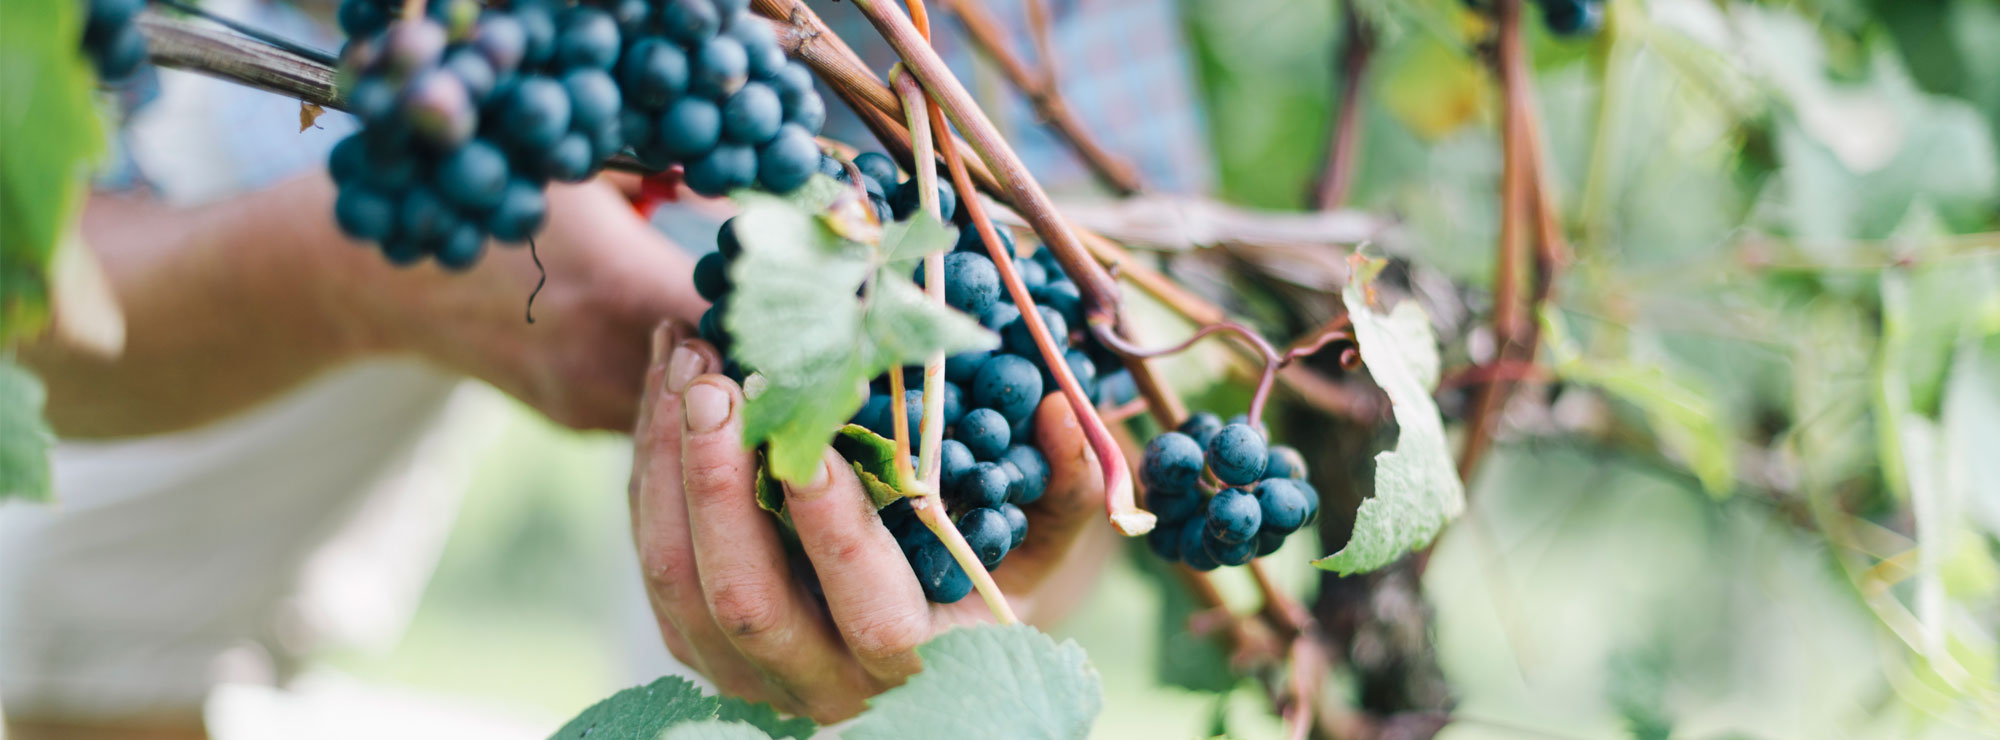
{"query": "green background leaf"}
pixel 24 437
pixel 997 682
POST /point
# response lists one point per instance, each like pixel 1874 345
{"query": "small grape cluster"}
pixel 467 113
pixel 111 38
pixel 1572 17
pixel 1261 494
pixel 989 467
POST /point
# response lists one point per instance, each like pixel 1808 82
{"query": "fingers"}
pixel 1074 500
pixel 744 577
pixel 878 608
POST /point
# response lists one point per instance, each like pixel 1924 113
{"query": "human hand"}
pixel 611 278
pixel 728 601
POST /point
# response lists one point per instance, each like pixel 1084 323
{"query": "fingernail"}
pixel 707 407
pixel 811 489
pixel 661 338
pixel 684 368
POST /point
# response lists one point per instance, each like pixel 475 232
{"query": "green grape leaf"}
pixel 762 717
pixel 48 135
pixel 906 326
pixel 1417 488
pixel 1679 410
pixel 992 681
pixel 792 313
pixel 796 422
pixel 25 437
pixel 715 729
pixel 905 242
pixel 874 459
pixel 641 712
pixel 770 492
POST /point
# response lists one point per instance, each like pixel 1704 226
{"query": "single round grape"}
pixel 944 582
pixel 439 110
pixel 1285 462
pixel 907 198
pixel 1063 296
pixel 426 219
pixel 536 115
pixel 348 161
pixel 809 113
pixel 963 368
pixel 1034 469
pixel 876 165
pixel 689 21
pixel 409 47
pixel 653 72
pixel 1000 315
pixel 725 241
pixel 402 252
pixel 634 17
pixel 1080 367
pixel 1201 427
pixel 1116 388
pixel 794 84
pixel 1019 339
pixel 1192 538
pixel 727 167
pixel 1173 505
pixel 760 45
pixel 1009 384
pixel 954 461
pixel 537 19
pixel 358 18
pixel 502 40
pixel 1017 521
pixel 1234 515
pixel 519 214
pixel 970 241
pixel 874 415
pixel 954 403
pixel 391 167
pixel 570 159
pixel 987 532
pixel 834 168
pixel 1269 542
pixel 593 98
pixel 1172 460
pixel 1228 553
pixel 1237 455
pixel 984 432
pixel 372 99
pixel 1283 504
pixel 605 140
pixel 1573 17
pixel 711 277
pixel 586 37
pixel 474 177
pixel 635 128
pixel 462 248
pixel 896 513
pixel 1165 542
pixel 1033 275
pixel 472 70
pixel 123 54
pixel 710 327
pixel 984 485
pixel 363 213
pixel 752 115
pixel 719 67
pixel 690 128
pixel 971 283
pixel 881 207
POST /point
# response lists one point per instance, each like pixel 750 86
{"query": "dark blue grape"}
pixel 391 168
pixel 519 214
pixel 1000 315
pixel 1173 505
pixel 971 283
pixel 988 533
pixel 570 160
pixel 954 461
pixel 1237 455
pixel 963 368
pixel 1285 462
pixel 1116 388
pixel 594 98
pixel 538 28
pixel 788 161
pixel 1020 340
pixel 358 18
pixel 1033 275
pixel 832 167
pixel 711 276
pixel 1228 553
pixel 1009 384
pixel 896 513
pixel 874 415
pixel 1234 515
pixel 1312 502
pixel 402 252
pixel 1080 367
pixel 1192 538
pixel 438 110
pixel 759 44
pixel 1063 296
pixel 408 48
pixel 876 165
pixel 653 72
pixel 536 115
pixel 794 84
pixel 752 115
pixel 984 432
pixel 605 141
pixel 1573 17
pixel 1165 542
pixel 732 9
pixel 1017 521
pixel 1201 427
pixel 984 485
pixel 711 329
pixel 727 167
pixel 474 177
pixel 954 403
pixel 690 128
pixel 689 21
pixel 907 200
pixel 944 582
pixel 462 248
pixel 809 113
pixel 1283 502
pixel 587 38
pixel 348 161
pixel 424 218
pixel 725 241
pixel 502 40
pixel 970 241
pixel 634 17
pixel 881 208
pixel 1172 460
pixel 1268 542
pixel 373 100
pixel 718 68
pixel 1034 470
pixel 473 71
pixel 363 213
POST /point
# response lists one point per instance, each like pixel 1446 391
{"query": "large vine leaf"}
pixel 24 437
pixel 806 316
pixel 1417 488
pixel 48 135
pixel 672 707
pixel 991 681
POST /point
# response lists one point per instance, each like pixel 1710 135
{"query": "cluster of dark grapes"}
pixel 1260 493
pixel 989 466
pixel 468 113
pixel 111 38
pixel 1572 17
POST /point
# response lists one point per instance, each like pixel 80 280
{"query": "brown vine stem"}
pixel 1042 90
pixel 1337 176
